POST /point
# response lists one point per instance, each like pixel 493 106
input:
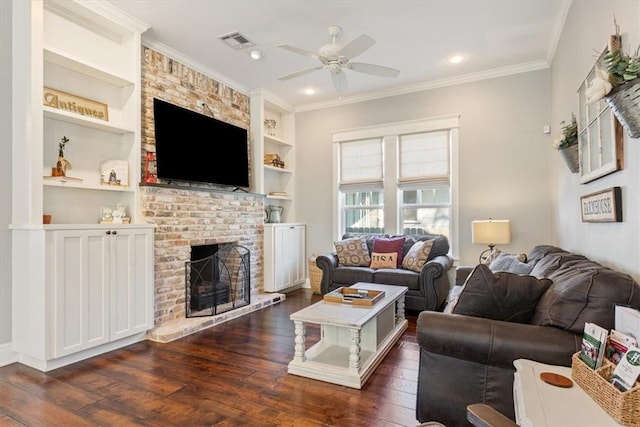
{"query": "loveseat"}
pixel 428 286
pixel 496 317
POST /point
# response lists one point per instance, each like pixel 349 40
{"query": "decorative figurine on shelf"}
pixel 270 125
pixel 118 214
pixel 148 176
pixel 62 163
pixel 106 215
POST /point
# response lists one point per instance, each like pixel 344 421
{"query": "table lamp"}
pixel 490 232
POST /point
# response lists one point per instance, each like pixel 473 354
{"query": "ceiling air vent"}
pixel 236 40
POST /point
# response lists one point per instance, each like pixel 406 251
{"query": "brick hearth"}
pixel 186 217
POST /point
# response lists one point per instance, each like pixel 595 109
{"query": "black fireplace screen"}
pixel 218 283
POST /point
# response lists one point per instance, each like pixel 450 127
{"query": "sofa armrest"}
pixel 493 342
pixel 326 263
pixel 434 281
pixel 462 272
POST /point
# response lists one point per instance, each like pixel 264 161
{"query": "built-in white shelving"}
pixel 277 183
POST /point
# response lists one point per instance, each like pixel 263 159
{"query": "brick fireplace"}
pixel 193 217
pixel 199 214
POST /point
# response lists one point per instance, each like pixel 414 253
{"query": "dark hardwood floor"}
pixel 233 374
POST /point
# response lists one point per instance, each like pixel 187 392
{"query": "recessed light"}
pixel 310 91
pixel 456 59
pixel 255 54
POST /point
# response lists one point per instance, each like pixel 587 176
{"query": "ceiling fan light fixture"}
pixel 335 57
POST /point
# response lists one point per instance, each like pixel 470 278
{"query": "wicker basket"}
pixel 315 275
pixel 624 101
pixel 624 407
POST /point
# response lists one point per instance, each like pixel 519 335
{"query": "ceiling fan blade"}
pixel 376 70
pixel 300 73
pixel 339 81
pixel 357 46
pixel 299 51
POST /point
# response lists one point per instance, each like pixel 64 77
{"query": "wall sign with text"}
pixel 603 206
pixel 75 104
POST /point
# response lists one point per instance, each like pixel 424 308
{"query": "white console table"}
pixel 539 404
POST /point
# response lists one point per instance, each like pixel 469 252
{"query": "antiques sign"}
pixel 75 104
pixel 603 206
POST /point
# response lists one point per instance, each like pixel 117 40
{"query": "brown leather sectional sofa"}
pixel 468 359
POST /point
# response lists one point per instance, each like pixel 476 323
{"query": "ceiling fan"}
pixel 335 57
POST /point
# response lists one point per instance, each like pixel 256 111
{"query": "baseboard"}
pixel 7 355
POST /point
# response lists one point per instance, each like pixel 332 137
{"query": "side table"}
pixel 540 404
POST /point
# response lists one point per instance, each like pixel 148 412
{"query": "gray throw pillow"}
pixel 510 263
pixel 499 296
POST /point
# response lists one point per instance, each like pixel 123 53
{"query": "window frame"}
pixel 390 133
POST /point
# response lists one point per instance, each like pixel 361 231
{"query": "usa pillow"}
pixel 382 260
pixel 388 245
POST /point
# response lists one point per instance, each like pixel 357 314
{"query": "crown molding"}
pixel 429 85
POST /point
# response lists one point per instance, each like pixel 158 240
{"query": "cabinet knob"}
pixel 108 231
pixel 114 232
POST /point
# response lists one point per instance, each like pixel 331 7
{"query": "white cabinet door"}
pixel 102 282
pixel 131 281
pixel 298 245
pixel 284 247
pixel 78 273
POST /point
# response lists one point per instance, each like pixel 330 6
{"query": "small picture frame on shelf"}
pixel 115 173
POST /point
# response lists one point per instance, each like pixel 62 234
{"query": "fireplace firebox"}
pixel 217 279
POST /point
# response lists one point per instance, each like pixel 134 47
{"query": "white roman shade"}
pixel 361 164
pixel 424 158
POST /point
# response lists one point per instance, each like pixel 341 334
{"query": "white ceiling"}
pixel 497 37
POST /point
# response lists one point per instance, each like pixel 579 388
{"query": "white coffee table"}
pixel 354 339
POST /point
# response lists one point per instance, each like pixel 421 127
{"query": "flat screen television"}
pixel 197 148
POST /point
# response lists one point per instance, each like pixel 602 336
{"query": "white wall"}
pixel 504 155
pixel 5 174
pixel 586 31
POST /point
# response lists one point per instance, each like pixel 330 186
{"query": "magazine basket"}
pixel 315 275
pixel 624 407
pixel 624 101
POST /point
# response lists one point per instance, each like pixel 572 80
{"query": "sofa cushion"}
pixel 499 296
pixel 390 244
pixel 511 263
pixel 353 252
pixel 495 253
pixel 399 277
pixel 540 251
pixel 584 291
pixel 384 260
pixel 417 256
pixel 552 262
pixel 347 276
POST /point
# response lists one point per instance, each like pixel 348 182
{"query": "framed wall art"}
pixel 600 135
pixel 602 206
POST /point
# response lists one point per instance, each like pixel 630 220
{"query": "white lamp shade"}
pixel 491 232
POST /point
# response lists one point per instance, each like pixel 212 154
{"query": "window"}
pixel 396 178
pixel 361 174
pixel 424 183
pixel 599 133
